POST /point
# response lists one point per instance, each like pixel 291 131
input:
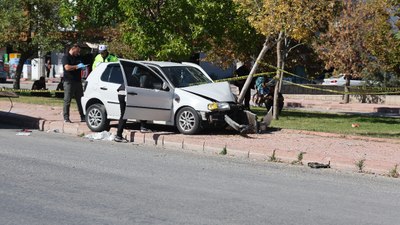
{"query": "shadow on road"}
pixel 12 120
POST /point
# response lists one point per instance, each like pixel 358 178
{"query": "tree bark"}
pixel 346 89
pixel 278 77
pixel 246 85
pixel 20 66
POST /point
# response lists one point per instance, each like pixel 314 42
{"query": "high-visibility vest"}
pixel 99 59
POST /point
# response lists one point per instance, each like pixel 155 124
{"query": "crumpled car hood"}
pixel 220 92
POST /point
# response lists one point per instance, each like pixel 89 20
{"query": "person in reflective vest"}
pixel 103 56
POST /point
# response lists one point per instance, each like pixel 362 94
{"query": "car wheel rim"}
pixel 95 117
pixel 187 121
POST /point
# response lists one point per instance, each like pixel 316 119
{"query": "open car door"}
pixel 149 96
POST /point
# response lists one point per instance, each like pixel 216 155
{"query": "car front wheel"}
pixel 188 121
pixel 96 118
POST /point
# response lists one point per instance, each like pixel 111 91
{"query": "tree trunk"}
pixel 246 85
pixel 278 76
pixel 18 72
pixel 346 90
pixel 282 69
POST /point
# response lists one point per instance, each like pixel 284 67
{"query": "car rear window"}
pixel 112 74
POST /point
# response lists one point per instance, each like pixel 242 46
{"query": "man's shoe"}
pixel 144 130
pixel 120 139
pixel 67 121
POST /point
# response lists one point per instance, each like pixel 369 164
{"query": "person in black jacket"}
pixel 72 65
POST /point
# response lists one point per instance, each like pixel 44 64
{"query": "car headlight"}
pixel 218 106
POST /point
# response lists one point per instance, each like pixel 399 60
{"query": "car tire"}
pixel 96 118
pixel 188 121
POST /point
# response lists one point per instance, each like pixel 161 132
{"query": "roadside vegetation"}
pixel 372 126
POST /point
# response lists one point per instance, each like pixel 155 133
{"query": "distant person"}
pixel 48 67
pixel 244 70
pixel 103 56
pixel 72 65
pixel 261 90
pixel 269 99
pixel 39 84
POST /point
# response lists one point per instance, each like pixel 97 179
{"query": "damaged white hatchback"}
pixel 176 94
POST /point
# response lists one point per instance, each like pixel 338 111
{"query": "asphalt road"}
pixel 58 179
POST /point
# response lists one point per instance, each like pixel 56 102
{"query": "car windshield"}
pixel 184 76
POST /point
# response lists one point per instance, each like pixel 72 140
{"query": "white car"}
pixel 341 81
pixel 176 94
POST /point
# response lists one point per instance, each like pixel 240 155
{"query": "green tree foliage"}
pixel 29 26
pixel 91 20
pixel 285 22
pixel 361 39
pixel 175 29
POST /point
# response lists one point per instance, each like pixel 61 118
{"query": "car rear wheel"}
pixel 96 118
pixel 188 121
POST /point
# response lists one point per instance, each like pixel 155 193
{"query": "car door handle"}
pixel 103 88
pixel 132 93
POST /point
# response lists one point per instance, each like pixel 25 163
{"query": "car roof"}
pixel 161 63
pixel 155 63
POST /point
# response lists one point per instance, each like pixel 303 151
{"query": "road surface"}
pixel 58 179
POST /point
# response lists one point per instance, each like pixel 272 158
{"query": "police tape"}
pixel 364 92
pixel 378 90
pixel 245 77
pixel 29 91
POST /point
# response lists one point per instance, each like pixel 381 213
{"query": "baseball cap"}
pixel 102 48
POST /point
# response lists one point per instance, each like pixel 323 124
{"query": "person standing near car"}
pixel 103 56
pixel 72 65
pixel 121 122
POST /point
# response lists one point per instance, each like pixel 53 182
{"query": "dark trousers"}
pixel 72 89
pixel 47 73
pixel 269 103
pixel 247 97
pixel 122 121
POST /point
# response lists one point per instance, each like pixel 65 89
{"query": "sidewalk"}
pixel 381 155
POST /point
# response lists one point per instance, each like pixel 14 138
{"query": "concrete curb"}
pixel 238 146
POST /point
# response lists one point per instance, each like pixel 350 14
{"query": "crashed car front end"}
pixel 217 107
pixel 232 114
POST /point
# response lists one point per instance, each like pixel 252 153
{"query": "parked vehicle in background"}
pixel 341 81
pixel 3 73
pixel 176 94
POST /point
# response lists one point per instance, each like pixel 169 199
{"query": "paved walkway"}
pixel 381 155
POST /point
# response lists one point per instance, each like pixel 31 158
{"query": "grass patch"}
pixel 224 151
pixel 360 165
pixel 371 126
pixel 37 100
pixel 273 157
pixel 394 172
pixel 299 160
